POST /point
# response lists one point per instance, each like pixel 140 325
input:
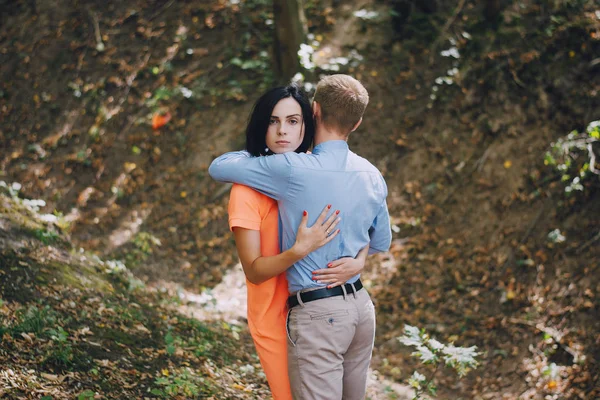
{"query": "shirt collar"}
pixel 330 145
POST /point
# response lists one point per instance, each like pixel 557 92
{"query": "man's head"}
pixel 340 103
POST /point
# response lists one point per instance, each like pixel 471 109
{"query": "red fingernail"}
pixel 337 212
pixel 329 265
pixel 314 272
pixel 328 206
pixel 305 213
pixel 329 287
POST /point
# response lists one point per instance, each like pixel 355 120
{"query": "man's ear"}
pixel 357 125
pixel 316 107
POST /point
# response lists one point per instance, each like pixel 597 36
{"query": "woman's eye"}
pixel 272 121
pixel 293 121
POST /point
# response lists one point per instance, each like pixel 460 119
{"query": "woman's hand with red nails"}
pixel 339 271
pixel 308 239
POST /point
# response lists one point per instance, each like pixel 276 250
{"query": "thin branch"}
pixel 533 224
pixel 516 79
pixel 588 243
pixel 430 379
pixel 96 25
pixel 481 161
pixel 592 155
pixel 131 78
pixel 161 10
pixel 447 25
pixel 552 332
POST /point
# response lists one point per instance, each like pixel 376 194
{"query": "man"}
pixel 330 331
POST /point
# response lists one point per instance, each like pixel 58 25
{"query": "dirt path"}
pixel 227 302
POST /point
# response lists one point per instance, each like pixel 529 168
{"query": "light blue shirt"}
pixel 331 174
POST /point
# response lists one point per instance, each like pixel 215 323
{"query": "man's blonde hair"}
pixel 343 101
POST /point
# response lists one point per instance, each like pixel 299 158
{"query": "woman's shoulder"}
pixel 245 193
pixel 247 204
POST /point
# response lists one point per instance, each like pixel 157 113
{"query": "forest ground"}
pixel 471 200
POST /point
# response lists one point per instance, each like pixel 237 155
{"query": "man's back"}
pixel 332 174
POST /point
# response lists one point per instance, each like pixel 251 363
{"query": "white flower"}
pixel 460 355
pixel 411 336
pixel 49 218
pixel 593 124
pixel 556 236
pixel 308 87
pixel 416 380
pixel 305 53
pixel 298 78
pixel 452 72
pixel 435 345
pixel 114 266
pixel 425 354
pixel 451 52
pixel 365 14
pixel 419 377
pixel 187 93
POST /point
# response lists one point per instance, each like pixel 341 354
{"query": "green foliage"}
pixel 184 383
pixel 160 95
pixel 145 241
pixel 12 189
pixel 46 236
pixel 34 320
pixel 574 157
pixel 432 352
pixel 143 246
pixel 114 267
pixel 259 63
pixel 86 395
pixel 172 342
pixel 43 323
pixel 61 221
pixel 118 270
pixel 62 352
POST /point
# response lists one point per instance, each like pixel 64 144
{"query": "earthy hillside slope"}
pixel 461 116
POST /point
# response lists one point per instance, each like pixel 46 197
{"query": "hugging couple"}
pixel 304 223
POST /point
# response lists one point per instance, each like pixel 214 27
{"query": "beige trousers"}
pixel 330 342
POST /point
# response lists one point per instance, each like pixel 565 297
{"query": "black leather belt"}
pixel 318 294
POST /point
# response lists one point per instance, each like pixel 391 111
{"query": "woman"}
pixel 281 121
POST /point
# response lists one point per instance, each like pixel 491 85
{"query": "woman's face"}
pixel 286 127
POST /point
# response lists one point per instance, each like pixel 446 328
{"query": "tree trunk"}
pixel 290 31
pixel 404 8
pixel 492 10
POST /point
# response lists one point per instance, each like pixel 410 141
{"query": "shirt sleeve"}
pixel 380 232
pixel 269 175
pixel 244 208
pixel 381 229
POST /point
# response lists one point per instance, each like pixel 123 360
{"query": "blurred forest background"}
pixel 117 269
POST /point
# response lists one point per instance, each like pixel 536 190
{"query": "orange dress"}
pixel 267 310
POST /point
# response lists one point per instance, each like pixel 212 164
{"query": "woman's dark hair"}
pixel 258 123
